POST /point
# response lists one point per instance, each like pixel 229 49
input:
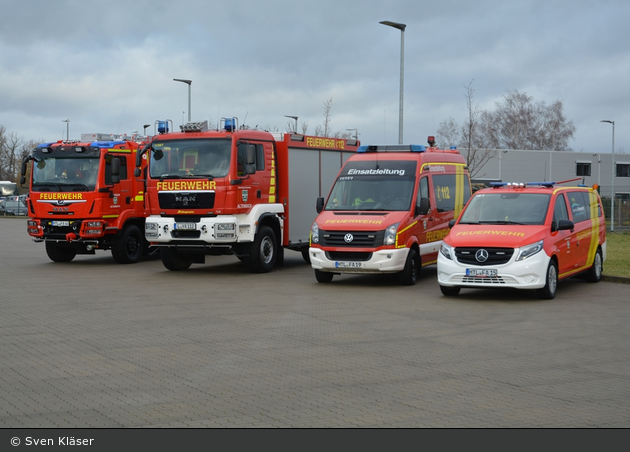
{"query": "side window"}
pixel 423 189
pixel 445 190
pixel 580 206
pixel 108 168
pixel 560 210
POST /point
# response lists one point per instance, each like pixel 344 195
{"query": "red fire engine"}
pixel 248 193
pixel 83 197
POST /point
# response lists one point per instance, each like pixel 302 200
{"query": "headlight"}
pixel 315 233
pixel 390 234
pixel 529 251
pixel 447 251
pixel 151 230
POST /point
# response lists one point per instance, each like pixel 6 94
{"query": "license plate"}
pixel 481 273
pixel 185 225
pixel 348 264
pixel 60 223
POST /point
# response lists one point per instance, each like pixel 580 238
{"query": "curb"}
pixel 616 279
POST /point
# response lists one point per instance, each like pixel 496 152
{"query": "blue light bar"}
pixel 392 148
pixel 106 144
pixel 162 126
pixel 230 124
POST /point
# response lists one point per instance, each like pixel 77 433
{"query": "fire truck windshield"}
pixel 505 207
pixel 190 158
pixel 65 174
pixel 371 193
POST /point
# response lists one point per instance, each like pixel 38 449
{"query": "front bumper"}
pixel 211 231
pixel 527 274
pixel 381 261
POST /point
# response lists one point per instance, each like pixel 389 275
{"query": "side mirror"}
pixel 137 172
pixel 424 207
pixel 565 225
pixel 250 159
pixel 319 206
pixel 115 170
pixel 452 223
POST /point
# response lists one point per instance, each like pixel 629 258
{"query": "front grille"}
pixel 358 238
pixel 186 200
pixel 496 256
pixel 185 234
pixel 348 256
pixel 499 280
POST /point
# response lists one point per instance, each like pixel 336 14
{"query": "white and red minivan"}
pixel 526 236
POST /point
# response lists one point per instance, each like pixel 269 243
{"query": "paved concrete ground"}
pixel 96 344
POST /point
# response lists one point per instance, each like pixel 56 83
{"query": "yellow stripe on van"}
pixel 592 249
pixel 459 191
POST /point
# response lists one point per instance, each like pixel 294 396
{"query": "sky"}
pixel 108 66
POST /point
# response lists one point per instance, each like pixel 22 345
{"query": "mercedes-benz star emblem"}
pixel 348 238
pixel 481 255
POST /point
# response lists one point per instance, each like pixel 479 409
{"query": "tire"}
pixel 551 282
pixel 264 251
pixel 58 253
pixel 323 277
pixel 174 260
pixel 129 247
pixel 594 274
pixel 411 273
pixel 306 256
pixel 450 291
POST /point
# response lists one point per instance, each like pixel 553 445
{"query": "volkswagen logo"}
pixel 481 255
pixel 348 238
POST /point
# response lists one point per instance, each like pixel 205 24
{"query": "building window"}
pixel 583 168
pixel 623 169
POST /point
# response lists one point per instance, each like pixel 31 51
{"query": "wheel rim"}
pixel 132 246
pixel 553 279
pixel 266 250
pixel 598 265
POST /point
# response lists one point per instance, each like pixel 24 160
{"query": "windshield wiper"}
pixel 498 222
pixel 170 176
pixel 82 186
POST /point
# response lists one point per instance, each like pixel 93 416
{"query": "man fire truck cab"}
pixel 82 197
pixel 234 191
pixel 388 211
pixel 525 236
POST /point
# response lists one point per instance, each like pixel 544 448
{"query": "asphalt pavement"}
pixel 93 343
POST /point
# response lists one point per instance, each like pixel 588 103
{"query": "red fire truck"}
pixel 249 193
pixel 82 197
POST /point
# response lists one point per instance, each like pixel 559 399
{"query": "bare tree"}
pixel 448 133
pixel 324 130
pixel 519 123
pixel 304 127
pixel 10 152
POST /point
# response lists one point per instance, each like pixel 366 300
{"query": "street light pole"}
pixel 612 198
pixel 67 121
pixel 296 122
pixel 188 82
pixel 401 27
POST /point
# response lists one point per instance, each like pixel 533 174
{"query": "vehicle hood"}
pixel 358 221
pixel 503 236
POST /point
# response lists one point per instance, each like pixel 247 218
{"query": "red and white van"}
pixel 526 236
pixel 388 211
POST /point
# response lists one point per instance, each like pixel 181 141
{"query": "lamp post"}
pixel 296 122
pixel 67 121
pixel 612 198
pixel 356 133
pixel 145 129
pixel 188 82
pixel 401 27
